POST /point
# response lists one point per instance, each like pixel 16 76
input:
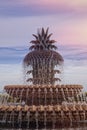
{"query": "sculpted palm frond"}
pixel 57 71
pixel 49 36
pixel 35 36
pixel 52 41
pixel 56 79
pixel 30 80
pixel 35 41
pixel 30 71
pixel 34 47
pixel 52 47
pixel 39 37
pixel 47 32
pixel 43 32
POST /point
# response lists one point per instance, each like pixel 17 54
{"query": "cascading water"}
pixel 11 120
pixel 45 119
pixel 33 92
pixel 57 95
pixel 20 118
pixel 27 93
pixel 51 93
pixel 28 119
pixel 53 120
pixel 45 92
pixel 63 95
pixel 36 118
pixel 21 95
pixel 39 95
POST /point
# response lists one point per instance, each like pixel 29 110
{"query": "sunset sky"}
pixel 20 18
pixel 66 19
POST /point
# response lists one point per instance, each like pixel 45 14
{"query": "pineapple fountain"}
pixel 43 101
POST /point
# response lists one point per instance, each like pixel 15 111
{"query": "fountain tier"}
pixel 45 94
pixel 55 115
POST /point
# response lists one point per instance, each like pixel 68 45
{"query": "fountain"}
pixel 43 102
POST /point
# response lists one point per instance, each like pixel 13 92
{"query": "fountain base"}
pixel 48 116
pixel 44 107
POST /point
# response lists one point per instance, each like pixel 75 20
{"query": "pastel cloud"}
pixel 13 55
pixel 44 7
pixel 72 32
pixel 74 3
pixel 67 20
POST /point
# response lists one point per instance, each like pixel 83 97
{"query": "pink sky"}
pixel 67 20
pixel 20 18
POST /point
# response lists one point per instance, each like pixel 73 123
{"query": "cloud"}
pixel 12 55
pixel 42 7
pixel 15 55
pixel 74 53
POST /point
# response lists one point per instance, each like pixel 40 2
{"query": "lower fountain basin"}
pixel 40 116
